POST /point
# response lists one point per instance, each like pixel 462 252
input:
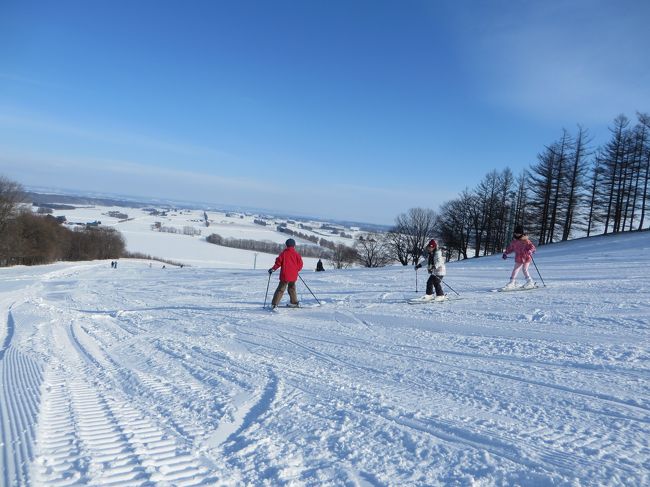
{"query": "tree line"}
pixel 31 239
pixel 571 189
pixel 263 246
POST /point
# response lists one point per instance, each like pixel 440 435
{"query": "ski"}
pixel 431 301
pixel 513 289
pixel 277 309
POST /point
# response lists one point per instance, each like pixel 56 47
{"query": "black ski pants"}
pixel 434 281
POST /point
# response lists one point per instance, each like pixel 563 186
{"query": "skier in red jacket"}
pixel 290 264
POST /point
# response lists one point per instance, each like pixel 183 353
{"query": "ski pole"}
pixel 416 279
pixel 450 287
pixel 540 276
pixel 303 281
pixel 267 291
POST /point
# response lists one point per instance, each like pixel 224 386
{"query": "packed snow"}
pixel 141 375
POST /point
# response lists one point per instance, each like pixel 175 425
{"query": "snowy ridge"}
pixel 21 378
pixel 145 376
pixel 113 442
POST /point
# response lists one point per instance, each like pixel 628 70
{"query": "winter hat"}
pixel 290 242
pixel 432 243
pixel 519 230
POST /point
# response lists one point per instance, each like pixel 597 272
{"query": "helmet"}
pixel 432 243
pixel 290 242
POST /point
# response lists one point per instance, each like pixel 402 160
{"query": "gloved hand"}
pixel 418 266
pixel 504 256
pixel 270 271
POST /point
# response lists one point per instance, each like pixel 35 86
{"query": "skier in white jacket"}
pixel 436 267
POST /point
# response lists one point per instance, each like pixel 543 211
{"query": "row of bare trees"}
pixel 29 239
pixel 620 177
pixel 571 189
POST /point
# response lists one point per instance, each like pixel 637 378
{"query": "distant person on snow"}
pixel 436 267
pixel 290 263
pixel 524 250
pixel 319 266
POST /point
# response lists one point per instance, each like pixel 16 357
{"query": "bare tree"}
pixel 455 224
pixel 489 211
pixel 11 195
pixel 519 212
pixel 596 171
pixel 399 245
pixel 540 184
pixel 557 198
pixel 418 225
pixel 613 166
pixel 373 250
pixel 343 256
pixel 575 184
pixel 644 120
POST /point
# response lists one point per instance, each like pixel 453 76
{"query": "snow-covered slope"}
pixel 150 376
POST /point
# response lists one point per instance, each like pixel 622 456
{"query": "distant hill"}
pixel 56 200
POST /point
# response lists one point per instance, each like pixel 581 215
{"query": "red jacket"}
pixel 290 262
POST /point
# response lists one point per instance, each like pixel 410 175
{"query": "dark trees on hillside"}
pixel 31 239
pixel 622 189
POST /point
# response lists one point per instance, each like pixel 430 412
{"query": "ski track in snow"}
pixel 145 377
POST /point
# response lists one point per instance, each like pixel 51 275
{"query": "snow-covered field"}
pixel 151 376
pixel 193 249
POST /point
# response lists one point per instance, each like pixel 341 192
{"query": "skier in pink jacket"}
pixel 524 250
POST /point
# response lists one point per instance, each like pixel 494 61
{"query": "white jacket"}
pixel 436 263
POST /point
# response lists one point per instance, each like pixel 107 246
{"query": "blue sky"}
pixel 352 110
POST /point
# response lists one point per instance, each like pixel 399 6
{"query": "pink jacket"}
pixel 523 249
